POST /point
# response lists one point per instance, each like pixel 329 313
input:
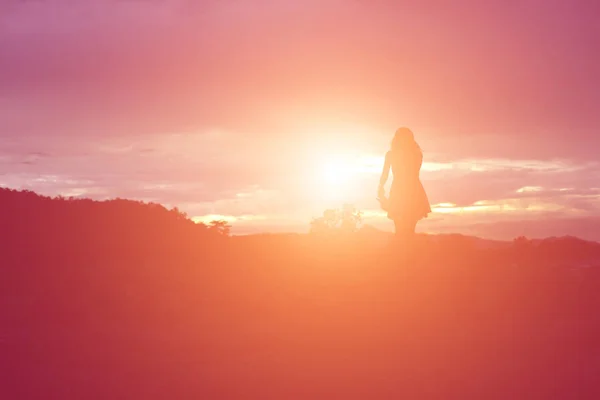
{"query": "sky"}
pixel 265 113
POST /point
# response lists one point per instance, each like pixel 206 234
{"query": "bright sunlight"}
pixel 337 171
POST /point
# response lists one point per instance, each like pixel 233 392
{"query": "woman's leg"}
pixel 405 230
pixel 411 227
pixel 397 228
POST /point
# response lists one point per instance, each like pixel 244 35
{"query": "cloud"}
pixel 138 67
pixel 233 174
pixel 180 169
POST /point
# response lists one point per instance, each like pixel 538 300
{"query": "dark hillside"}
pixel 125 300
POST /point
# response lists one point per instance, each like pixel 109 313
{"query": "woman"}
pixel 408 201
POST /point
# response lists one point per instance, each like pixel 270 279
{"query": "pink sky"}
pixel 236 108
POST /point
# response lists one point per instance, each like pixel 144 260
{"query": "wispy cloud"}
pixel 204 175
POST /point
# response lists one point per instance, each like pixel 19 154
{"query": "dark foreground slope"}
pixel 123 307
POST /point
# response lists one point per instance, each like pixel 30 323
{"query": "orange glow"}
pixel 299 199
pixel 337 171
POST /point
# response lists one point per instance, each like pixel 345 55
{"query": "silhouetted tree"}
pixel 221 227
pixel 346 220
pixel 351 218
pixel 522 242
pixel 97 226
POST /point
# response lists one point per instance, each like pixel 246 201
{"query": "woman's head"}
pixel 403 139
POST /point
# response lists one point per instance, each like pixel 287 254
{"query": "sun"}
pixel 336 178
pixel 337 171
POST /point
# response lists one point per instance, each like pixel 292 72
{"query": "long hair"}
pixel 404 140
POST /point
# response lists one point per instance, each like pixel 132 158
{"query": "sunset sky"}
pixel 265 113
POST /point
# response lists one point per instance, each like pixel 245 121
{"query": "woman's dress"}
pixel 408 200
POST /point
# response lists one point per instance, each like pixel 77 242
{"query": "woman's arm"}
pixel 385 173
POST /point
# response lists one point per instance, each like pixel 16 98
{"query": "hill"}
pixel 120 299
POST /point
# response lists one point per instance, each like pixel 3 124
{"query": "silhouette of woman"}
pixel 408 202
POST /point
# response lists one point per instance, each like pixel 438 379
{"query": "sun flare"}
pixel 337 171
pixel 335 179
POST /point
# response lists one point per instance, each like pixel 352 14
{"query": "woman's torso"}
pixel 406 166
